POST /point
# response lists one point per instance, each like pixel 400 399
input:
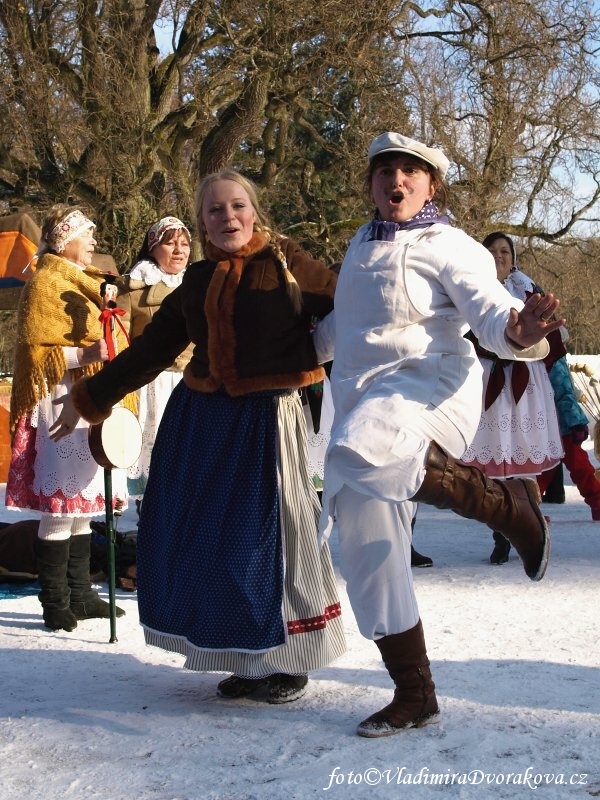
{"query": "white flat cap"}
pixel 392 142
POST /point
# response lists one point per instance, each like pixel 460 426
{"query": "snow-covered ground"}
pixel 517 668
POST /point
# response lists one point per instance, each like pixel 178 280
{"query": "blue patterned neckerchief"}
pixel 385 231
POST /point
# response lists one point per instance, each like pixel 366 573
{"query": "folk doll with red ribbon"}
pixel 60 338
pixel 116 442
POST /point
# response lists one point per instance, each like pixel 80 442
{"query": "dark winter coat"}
pixel 240 319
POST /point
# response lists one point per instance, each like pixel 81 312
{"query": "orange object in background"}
pixel 4 432
pixel 19 237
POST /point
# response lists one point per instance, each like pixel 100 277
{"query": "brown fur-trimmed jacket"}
pixel 241 322
pixel 140 302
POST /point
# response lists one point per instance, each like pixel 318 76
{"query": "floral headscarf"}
pixel 158 230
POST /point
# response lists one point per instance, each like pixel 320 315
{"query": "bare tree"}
pixel 292 93
pixel 97 116
pixel 570 270
pixel 510 90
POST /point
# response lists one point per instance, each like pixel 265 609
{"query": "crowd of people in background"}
pixel 272 417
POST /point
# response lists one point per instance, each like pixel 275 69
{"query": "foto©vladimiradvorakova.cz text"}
pixel 400 775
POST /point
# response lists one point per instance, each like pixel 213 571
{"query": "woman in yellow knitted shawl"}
pixel 59 339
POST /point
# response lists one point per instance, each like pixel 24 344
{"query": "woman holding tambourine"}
pixel 60 339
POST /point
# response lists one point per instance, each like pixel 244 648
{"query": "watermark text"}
pixel 476 777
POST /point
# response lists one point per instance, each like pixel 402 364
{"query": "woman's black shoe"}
pixel 501 549
pixel 555 493
pixel 286 688
pixel 419 560
pixel 235 686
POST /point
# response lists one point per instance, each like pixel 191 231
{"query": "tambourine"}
pixel 116 443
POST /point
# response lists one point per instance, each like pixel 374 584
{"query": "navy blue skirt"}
pixel 209 557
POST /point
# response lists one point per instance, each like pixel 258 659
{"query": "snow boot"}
pixel 234 686
pixel 85 602
pixel 286 688
pixel 414 703
pixel 509 507
pixel 51 559
pixel 501 549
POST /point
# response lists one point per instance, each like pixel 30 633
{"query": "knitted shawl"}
pixel 59 307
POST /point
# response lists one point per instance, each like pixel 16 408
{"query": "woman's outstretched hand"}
pixel 535 320
pixel 95 352
pixel 67 419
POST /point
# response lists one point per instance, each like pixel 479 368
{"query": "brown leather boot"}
pixel 414 703
pixel 510 507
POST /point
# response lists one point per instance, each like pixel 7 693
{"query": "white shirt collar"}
pixel 149 272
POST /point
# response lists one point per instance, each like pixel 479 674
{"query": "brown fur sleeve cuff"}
pixel 84 404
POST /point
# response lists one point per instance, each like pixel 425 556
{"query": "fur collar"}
pixel 257 243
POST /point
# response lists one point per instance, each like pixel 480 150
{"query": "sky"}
pixel 516 666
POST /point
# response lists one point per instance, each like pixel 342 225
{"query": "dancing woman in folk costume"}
pixel 230 571
pixel 518 434
pixel 158 269
pixel 59 339
pixel 406 388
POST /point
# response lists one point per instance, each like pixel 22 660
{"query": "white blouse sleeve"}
pixel 324 338
pixel 70 354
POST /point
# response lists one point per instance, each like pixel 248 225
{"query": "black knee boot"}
pixel 51 559
pixel 85 602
